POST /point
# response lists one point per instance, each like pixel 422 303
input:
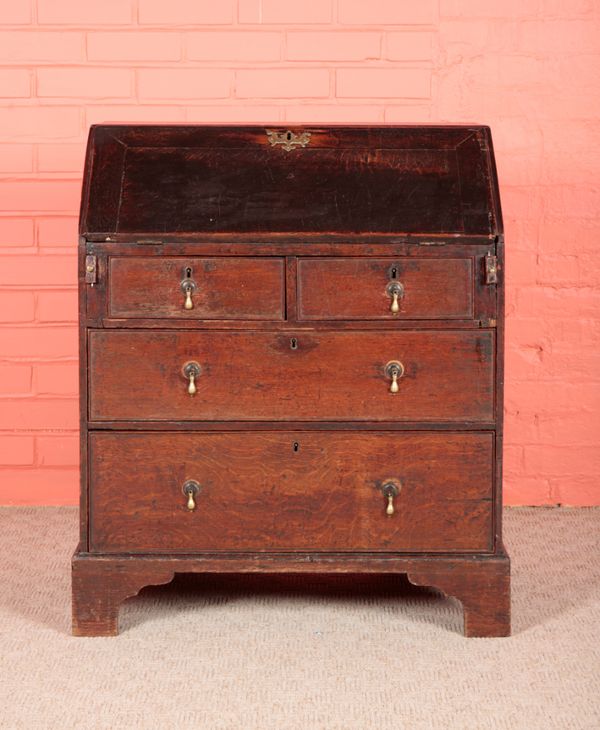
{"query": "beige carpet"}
pixel 282 652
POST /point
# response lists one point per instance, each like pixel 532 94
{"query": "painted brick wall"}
pixel 528 68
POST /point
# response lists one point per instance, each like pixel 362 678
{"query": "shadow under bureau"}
pixel 291 351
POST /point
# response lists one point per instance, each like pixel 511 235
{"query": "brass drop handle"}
pixel 390 490
pixel 188 287
pixel 191 371
pixel 394 370
pixel 396 291
pixel 191 489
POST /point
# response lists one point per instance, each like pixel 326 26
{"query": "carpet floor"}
pixel 302 653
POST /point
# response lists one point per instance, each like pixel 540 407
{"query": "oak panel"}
pixel 337 376
pixel 225 288
pixel 291 491
pixel 356 288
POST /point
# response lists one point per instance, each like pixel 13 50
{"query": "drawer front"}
pixel 291 491
pixel 219 288
pixel 348 288
pixel 440 375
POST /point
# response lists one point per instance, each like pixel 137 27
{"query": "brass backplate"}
pixel 288 140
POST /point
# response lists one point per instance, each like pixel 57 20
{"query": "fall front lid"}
pixel 182 181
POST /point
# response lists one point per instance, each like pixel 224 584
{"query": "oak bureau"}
pixel 291 350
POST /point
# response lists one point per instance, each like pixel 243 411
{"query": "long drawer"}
pixel 423 376
pixel 326 491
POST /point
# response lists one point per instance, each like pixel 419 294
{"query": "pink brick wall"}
pixel 528 68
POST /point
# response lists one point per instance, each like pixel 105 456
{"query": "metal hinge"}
pixel 491 269
pixel 91 269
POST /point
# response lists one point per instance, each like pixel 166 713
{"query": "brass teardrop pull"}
pixel 191 489
pixel 389 510
pixel 390 490
pixel 188 286
pixel 396 291
pixel 394 370
pixel 191 370
pixel 191 505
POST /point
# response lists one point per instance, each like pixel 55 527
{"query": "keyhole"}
pixel 296 446
pixel 289 135
pixel 188 272
pixel 394 272
pixel 294 343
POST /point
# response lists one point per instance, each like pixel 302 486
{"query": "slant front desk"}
pixel 291 348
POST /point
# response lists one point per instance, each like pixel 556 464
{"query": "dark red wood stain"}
pixel 290 491
pixel 356 288
pixel 299 375
pixel 225 288
pixel 293 433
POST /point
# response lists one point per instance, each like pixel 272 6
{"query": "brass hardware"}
pixel 390 490
pixel 491 269
pixel 189 287
pixel 91 270
pixel 396 291
pixel 191 489
pixel 394 370
pixel 191 370
pixel 288 140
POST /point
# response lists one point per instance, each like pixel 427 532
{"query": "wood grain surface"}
pixel 353 288
pixel 291 491
pixel 154 179
pixel 226 288
pixel 293 430
pixel 480 582
pixel 138 375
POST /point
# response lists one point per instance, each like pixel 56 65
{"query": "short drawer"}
pixel 325 491
pixel 374 288
pixel 314 376
pixel 197 288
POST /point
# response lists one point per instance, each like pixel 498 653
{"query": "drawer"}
pixel 291 491
pixel 363 288
pixel 313 376
pixel 219 288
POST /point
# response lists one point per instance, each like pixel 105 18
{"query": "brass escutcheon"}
pixel 288 140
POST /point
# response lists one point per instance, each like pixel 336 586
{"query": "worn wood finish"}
pixel 291 442
pixel 224 288
pixel 357 288
pixel 291 491
pixel 203 179
pixel 481 584
pixel 448 376
pixel 100 588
